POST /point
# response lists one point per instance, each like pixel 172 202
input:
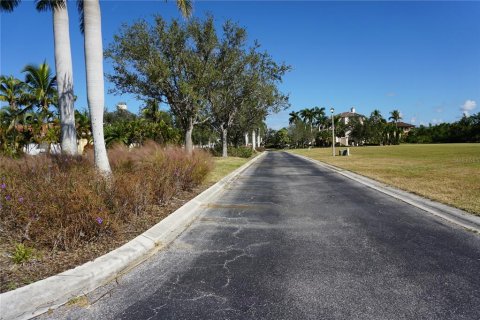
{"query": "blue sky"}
pixel 422 58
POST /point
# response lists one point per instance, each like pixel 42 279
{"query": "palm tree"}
pixel 395 116
pixel 12 90
pixel 376 116
pixel 41 86
pixel 307 116
pixel 319 117
pixel 8 5
pixel 82 125
pixel 64 70
pixel 294 117
pixel 63 66
pixel 91 26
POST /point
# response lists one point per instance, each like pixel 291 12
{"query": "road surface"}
pixel 292 240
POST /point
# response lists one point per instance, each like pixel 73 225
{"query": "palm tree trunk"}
pixel 63 66
pixel 95 82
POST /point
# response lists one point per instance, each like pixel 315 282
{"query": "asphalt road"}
pixel 291 240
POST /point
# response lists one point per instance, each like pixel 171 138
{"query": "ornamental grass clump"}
pixel 60 203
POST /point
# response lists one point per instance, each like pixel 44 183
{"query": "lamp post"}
pixel 332 110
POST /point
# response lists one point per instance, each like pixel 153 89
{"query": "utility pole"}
pixel 332 110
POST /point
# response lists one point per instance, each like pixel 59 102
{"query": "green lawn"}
pixel 222 167
pixel 448 173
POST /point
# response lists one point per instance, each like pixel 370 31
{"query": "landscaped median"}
pixel 38 297
pixel 447 173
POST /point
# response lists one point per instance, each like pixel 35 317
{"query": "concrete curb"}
pixel 37 298
pixel 451 214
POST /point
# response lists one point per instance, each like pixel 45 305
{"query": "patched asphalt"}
pixel 292 240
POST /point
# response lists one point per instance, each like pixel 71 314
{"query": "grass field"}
pixel 448 173
pixel 222 167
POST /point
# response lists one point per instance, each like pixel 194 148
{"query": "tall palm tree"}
pixel 64 70
pixel 294 117
pixel 376 116
pixel 319 117
pixel 307 116
pixel 8 5
pixel 395 117
pixel 91 26
pixel 63 66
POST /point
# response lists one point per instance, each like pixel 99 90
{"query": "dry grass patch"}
pixel 448 173
pixel 55 213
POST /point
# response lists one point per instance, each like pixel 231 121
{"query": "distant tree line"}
pixel 467 129
pixel 311 127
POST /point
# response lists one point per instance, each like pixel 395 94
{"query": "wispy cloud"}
pixel 468 106
pixel 436 121
pixel 413 119
pixel 391 94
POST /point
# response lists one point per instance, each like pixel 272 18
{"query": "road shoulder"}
pixel 451 214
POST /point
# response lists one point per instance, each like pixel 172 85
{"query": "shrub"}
pixel 58 202
pixel 22 253
pixel 241 152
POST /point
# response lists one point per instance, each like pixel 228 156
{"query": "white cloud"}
pixel 468 106
pixel 413 119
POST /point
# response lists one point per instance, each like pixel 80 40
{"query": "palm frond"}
pixel 185 7
pixel 81 15
pixel 8 5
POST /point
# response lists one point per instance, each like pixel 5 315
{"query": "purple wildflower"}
pixel 20 199
pixel 3 186
pixel 99 220
pixel 8 197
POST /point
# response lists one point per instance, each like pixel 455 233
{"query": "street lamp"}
pixel 332 110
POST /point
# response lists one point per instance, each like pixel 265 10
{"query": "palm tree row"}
pixel 310 118
pixel 313 117
pixel 90 24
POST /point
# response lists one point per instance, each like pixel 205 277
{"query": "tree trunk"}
pixel 246 139
pixel 254 140
pixel 95 82
pixel 258 138
pixel 63 68
pixel 224 143
pixel 188 137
